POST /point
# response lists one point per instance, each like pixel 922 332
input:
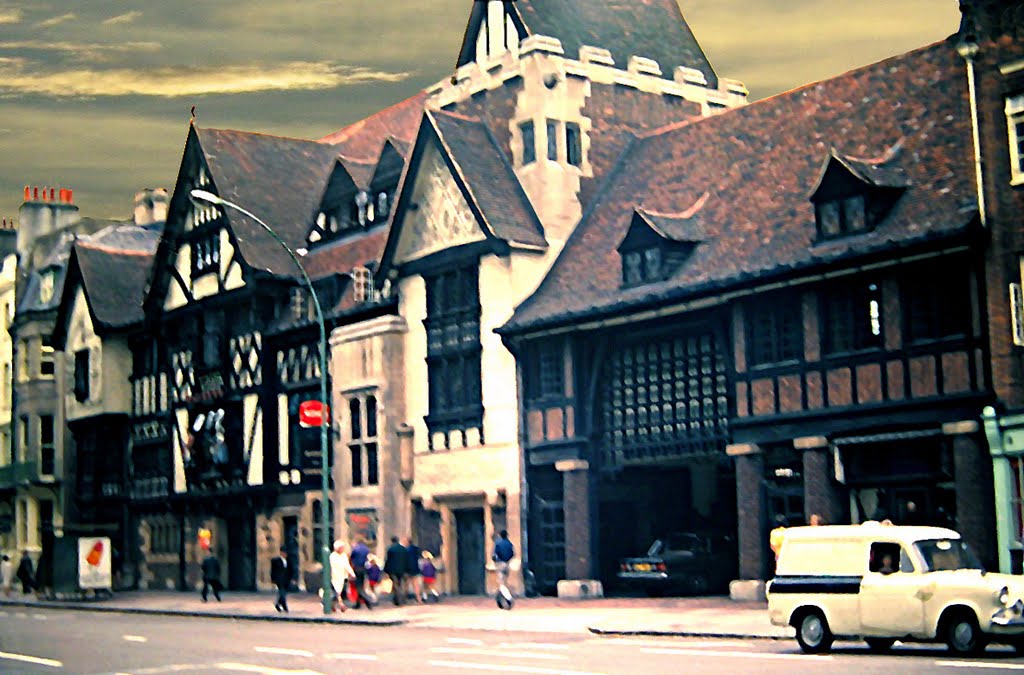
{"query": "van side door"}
pixel 890 599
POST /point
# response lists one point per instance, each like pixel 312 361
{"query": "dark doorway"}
pixel 469 529
pixel 241 555
pixel 547 528
pixel 291 543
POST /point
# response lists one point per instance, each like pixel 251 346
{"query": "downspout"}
pixel 969 50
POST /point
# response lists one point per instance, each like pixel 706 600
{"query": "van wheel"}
pixel 879 645
pixel 963 636
pixel 812 632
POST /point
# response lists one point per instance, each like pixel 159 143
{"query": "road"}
pixel 53 641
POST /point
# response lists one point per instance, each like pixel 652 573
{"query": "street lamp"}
pixel 211 198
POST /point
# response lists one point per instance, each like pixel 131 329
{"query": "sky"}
pixel 96 96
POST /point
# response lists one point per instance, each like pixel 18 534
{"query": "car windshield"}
pixel 675 542
pixel 947 554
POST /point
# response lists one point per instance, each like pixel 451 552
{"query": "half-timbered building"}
pixel 772 312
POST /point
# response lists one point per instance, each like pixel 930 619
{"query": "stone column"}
pixel 821 495
pixel 579 558
pixel 975 498
pixel 752 534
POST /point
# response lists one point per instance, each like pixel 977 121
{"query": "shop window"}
pixel 363 446
pixel 323 527
pixel 851 317
pixel 81 389
pixel 774 328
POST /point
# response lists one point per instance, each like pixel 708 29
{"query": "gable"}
pixel 441 217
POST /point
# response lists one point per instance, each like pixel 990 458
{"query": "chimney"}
pixel 42 215
pixel 151 206
pixel 983 20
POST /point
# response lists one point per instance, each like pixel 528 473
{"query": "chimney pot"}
pixel 35 194
pixel 28 193
pixel 51 194
pixel 70 197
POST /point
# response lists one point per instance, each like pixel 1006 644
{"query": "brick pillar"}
pixel 750 507
pixel 821 495
pixel 579 558
pixel 975 498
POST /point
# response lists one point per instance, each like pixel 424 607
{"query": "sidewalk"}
pixel 696 617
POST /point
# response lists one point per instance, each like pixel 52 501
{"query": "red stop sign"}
pixel 313 413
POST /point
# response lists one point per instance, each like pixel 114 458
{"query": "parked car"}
pixel 681 562
pixel 883 583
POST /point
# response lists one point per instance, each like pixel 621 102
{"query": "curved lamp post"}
pixel 210 198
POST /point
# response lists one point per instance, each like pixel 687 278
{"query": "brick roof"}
pixel 364 139
pixel 281 180
pixel 654 29
pixel 751 171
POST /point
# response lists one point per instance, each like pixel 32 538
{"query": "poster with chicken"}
pixel 94 562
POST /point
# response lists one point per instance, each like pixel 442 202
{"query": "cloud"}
pixel 53 21
pixel 10 15
pixel 171 82
pixel 127 17
pixel 82 50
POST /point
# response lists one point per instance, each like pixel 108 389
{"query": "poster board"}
pixel 94 563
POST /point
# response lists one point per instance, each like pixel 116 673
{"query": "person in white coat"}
pixel 341 572
pixel 6 574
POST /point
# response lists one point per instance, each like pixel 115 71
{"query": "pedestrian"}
pixel 360 558
pixel 373 575
pixel 281 576
pixel 25 573
pixel 776 536
pixel 341 574
pixel 7 574
pixel 504 551
pixel 816 520
pixel 211 576
pixel 429 571
pixel 395 566
pixel 413 575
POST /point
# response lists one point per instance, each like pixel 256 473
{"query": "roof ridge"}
pixel 263 134
pixel 104 248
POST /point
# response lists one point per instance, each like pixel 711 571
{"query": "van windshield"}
pixel 947 554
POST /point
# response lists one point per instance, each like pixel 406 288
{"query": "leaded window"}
pixel 552 128
pixel 937 301
pixel 363 446
pixel 842 216
pixel 453 348
pixel 774 326
pixel 529 142
pixel 545 369
pixel 81 390
pixel 851 317
pixel 206 254
pixel 47 445
pixel 665 397
pixel 573 144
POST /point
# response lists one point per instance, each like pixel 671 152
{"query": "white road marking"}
pixel 465 641
pixel 508 668
pixel 39 661
pixel 468 651
pixel 284 651
pixel 712 644
pixel 980 664
pixel 740 655
pixel 3 613
pixel 39 617
pixel 22 615
pixel 249 668
pixel 135 638
pixel 532 645
pixel 173 668
pixel 351 657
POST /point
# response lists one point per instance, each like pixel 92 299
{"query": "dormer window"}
pixel 46 287
pixel 854 195
pixel 657 244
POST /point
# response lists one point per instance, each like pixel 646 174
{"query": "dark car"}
pixel 682 562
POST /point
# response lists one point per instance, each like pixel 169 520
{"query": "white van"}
pixel 885 583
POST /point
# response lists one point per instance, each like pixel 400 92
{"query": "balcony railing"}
pixel 18 473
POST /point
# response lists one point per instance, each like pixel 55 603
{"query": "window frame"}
pixel 1014 110
pixel 47 449
pixel 767 311
pixel 81 387
pixel 844 215
pixel 573 144
pixel 849 310
pixel 551 127
pixel 528 135
pixel 928 292
pixel 47 363
pixel 364 444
